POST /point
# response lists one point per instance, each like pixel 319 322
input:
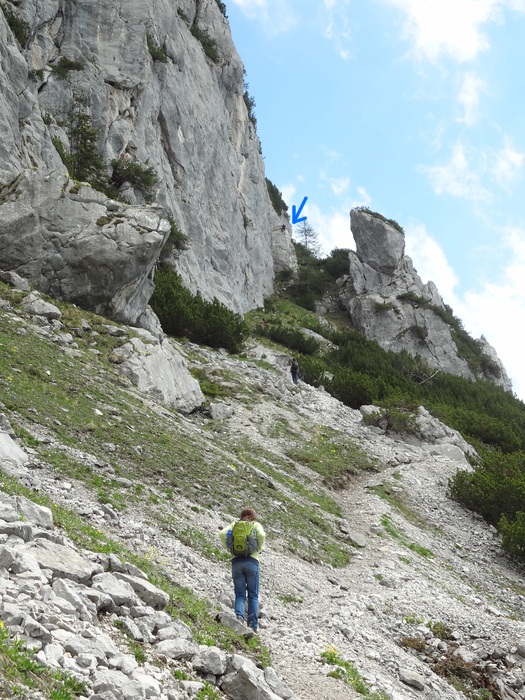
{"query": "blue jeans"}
pixel 245 574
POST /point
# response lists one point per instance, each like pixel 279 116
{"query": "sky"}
pixel 415 109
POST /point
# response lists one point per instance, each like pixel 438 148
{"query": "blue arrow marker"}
pixel 296 213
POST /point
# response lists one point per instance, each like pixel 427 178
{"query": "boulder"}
pixel 11 452
pixel 146 591
pixel 157 369
pixel 34 513
pixel 63 562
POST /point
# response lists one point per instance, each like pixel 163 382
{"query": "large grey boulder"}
pixel 157 369
pixel 78 248
pixel 382 246
pixel 63 562
pixel 11 452
pixel 248 683
pixel 38 515
pixel 388 302
pixel 146 591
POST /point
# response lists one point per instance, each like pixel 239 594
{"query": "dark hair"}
pixel 248 514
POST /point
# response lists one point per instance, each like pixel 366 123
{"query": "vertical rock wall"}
pixel 157 99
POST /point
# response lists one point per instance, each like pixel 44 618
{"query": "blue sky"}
pixel 414 108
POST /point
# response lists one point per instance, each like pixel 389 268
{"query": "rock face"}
pixel 155 99
pixel 389 303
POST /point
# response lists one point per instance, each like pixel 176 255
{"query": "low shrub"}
pixel 36 75
pixel 347 672
pixel 17 25
pixel 276 196
pixel 249 101
pixel 157 52
pixel 65 66
pixel 183 314
pixel 137 175
pixel 177 241
pixel 291 338
pixel 222 7
pixel 393 420
pixel 355 389
pixel 337 263
pixel 208 44
pixel 513 534
pixel 379 216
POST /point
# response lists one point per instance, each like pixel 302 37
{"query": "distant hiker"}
pixel 294 369
pixel 245 539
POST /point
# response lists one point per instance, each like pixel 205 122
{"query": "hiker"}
pixel 245 566
pixel 294 369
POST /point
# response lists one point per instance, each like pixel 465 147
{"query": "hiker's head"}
pixel 248 514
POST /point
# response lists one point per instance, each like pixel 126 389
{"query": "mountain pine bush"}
pixel 183 314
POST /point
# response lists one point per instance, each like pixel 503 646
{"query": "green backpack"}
pixel 243 540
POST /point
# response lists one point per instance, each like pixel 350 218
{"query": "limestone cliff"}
pixel 389 303
pixel 159 85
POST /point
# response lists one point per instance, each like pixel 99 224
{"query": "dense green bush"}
pixel 513 535
pixel 293 339
pixel 337 263
pixel 17 25
pixel 156 52
pixel 355 389
pixel 276 197
pixel 208 44
pixel 183 314
pixel 495 488
pixel 66 65
pixel 177 241
pixel 137 175
pixel 83 160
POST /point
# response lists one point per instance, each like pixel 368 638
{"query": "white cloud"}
pixel 471 88
pixel 453 28
pixel 339 185
pixel 277 16
pixel 288 193
pixel 464 175
pixel 336 19
pixel 458 177
pixel 363 199
pixel 430 261
pixel 507 164
pixel 333 229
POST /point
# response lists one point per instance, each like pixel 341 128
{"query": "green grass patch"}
pixel 347 672
pixel 334 456
pixel 22 671
pixel 389 528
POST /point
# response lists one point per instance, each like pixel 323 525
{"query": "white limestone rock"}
pixel 381 293
pixel 11 453
pixel 185 118
pixel 156 368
